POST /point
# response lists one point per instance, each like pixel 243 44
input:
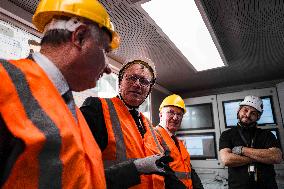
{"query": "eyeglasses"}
pixel 172 114
pixel 143 81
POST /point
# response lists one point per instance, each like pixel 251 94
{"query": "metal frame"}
pixel 207 163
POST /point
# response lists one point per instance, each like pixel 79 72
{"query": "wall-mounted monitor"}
pixel 200 145
pixel 230 109
pixel 198 117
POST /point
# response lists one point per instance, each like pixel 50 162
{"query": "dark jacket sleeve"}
pixel 172 182
pixel 119 176
pixel 5 148
pixel 122 175
pixel 196 182
pixel 93 113
pixel 10 149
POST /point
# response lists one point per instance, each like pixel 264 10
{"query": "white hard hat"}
pixel 254 102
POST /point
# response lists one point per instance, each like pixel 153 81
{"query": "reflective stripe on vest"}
pixel 155 137
pixel 163 143
pixel 183 175
pixel 120 144
pixel 180 175
pixel 49 173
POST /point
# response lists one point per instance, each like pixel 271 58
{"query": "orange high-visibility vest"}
pixel 125 142
pixel 59 151
pixel 181 163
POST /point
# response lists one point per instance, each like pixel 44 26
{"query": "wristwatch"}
pixel 237 150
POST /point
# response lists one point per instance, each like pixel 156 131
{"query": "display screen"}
pixel 198 117
pixel 231 108
pixel 200 146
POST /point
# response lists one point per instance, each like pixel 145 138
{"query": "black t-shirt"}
pixel 238 176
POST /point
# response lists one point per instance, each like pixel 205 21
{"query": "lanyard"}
pixel 244 139
pixel 252 170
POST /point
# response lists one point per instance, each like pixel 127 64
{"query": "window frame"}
pixel 206 163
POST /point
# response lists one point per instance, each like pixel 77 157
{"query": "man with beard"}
pixel 125 135
pixel 248 151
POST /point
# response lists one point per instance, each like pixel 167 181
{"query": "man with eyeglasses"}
pixel 125 135
pixel 172 110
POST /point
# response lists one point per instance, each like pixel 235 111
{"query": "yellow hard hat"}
pixel 90 9
pixel 173 100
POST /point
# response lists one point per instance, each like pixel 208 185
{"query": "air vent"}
pixel 28 5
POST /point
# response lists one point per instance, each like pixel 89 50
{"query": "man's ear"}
pixel 79 35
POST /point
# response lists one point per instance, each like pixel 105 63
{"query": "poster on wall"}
pixel 16 43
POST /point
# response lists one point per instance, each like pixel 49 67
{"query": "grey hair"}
pixel 60 36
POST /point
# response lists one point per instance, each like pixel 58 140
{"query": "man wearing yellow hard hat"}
pixel 172 110
pixel 44 139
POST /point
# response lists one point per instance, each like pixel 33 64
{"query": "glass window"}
pixel 267 116
pixel 145 108
pixel 231 109
pixel 107 87
pixel 198 117
pixel 16 43
pixel 200 146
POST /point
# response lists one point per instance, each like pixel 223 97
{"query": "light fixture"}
pixel 182 22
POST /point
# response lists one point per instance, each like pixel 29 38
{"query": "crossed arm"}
pixel 268 156
pixel 232 160
pixel 249 155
